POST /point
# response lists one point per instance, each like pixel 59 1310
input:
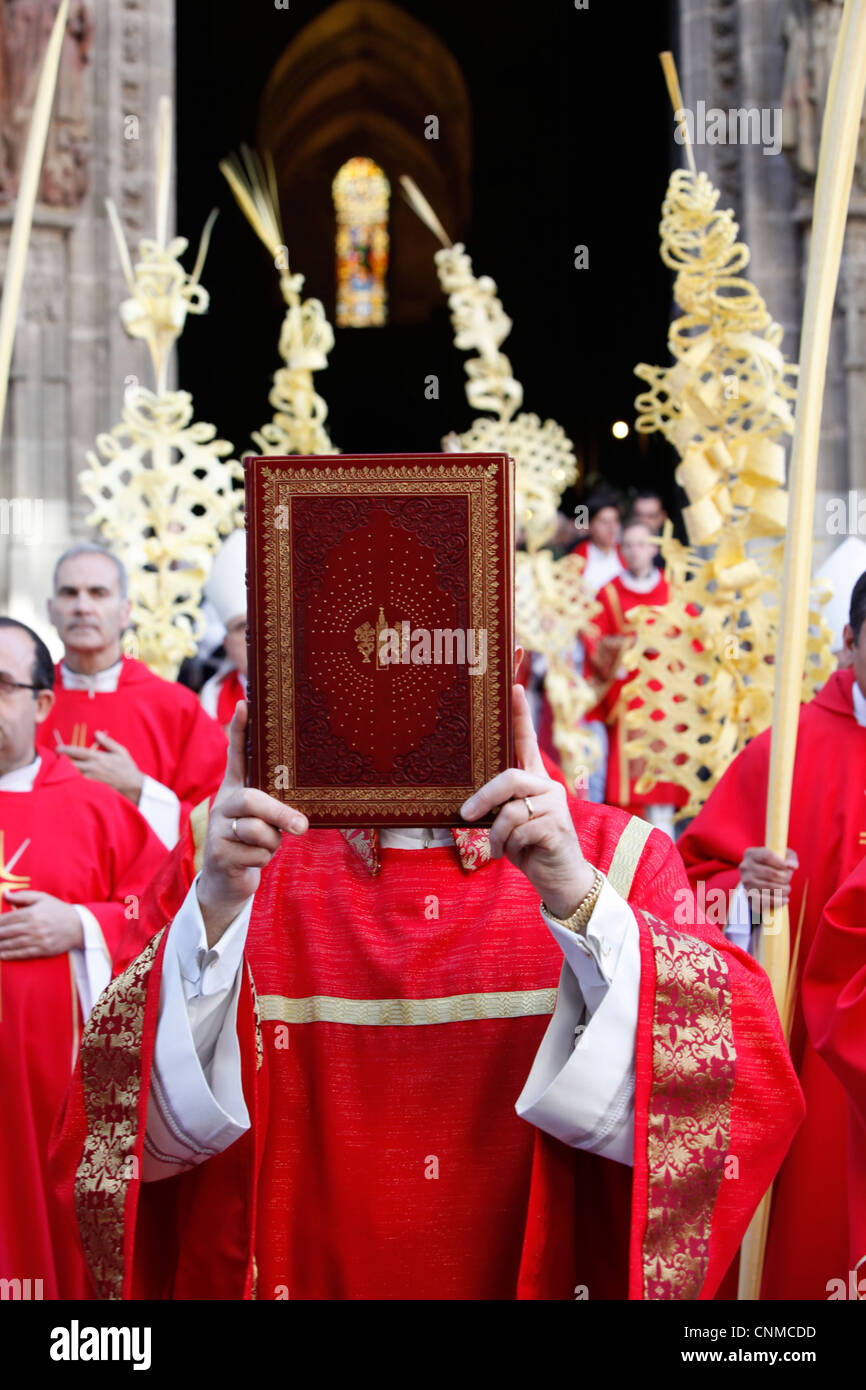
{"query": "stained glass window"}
pixel 361 197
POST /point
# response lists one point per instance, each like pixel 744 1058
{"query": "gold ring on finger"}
pixel 529 807
pixel 235 829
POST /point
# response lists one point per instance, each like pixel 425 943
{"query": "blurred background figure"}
pixel 640 583
pixel 841 570
pixel 602 563
pixel 599 548
pixel 648 507
pixel 226 591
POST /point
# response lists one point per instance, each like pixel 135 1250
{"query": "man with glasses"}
pixel 75 858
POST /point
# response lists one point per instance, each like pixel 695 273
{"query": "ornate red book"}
pixel 380 620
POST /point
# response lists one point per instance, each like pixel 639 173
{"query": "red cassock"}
pixel 834 1003
pixel 160 723
pixel 400 998
pixel 807 1244
pixel 87 845
pixel 617 600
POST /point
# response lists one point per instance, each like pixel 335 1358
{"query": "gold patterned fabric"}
pixel 111 1081
pixel 689 1122
pixel 473 846
pixel 401 1013
pixel 257 1020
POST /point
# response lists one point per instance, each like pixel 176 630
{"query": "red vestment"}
pixel 160 723
pixel 617 600
pixel 807 1242
pixel 231 691
pixel 834 1003
pixel 88 845
pixel 395 1018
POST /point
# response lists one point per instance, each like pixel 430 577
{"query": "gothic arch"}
pixel 362 79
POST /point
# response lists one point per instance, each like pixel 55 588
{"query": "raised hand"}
pixel 244 832
pixel 543 845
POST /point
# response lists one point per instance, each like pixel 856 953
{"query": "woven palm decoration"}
pixel 725 405
pixel 162 485
pixel 552 605
pixel 306 337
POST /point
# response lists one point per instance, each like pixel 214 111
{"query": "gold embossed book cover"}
pixel 381 632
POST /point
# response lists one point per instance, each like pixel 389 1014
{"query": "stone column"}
pixel 746 53
pixel 72 358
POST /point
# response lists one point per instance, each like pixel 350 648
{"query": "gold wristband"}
pixel 580 917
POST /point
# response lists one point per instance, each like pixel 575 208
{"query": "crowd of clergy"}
pixel 103 764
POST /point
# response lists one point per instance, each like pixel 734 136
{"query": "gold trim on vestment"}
pixel 626 858
pixel 401 1013
pixel 257 1020
pixel 111 1081
pixel 689 1121
pixel 613 599
pixel 623 765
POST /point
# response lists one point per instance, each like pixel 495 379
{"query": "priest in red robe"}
pixel 640 584
pixel 320 1058
pixel 600 549
pixel 115 719
pixel 730 869
pixel 602 561
pixel 834 1004
pixel 75 858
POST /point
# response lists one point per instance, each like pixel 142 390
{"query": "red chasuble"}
pixel 617 600
pixel 399 999
pixel 87 845
pixel 808 1242
pixel 834 1003
pixel 160 723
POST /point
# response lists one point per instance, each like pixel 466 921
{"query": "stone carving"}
pixel 810 29
pixel 25 26
pixel 135 97
pixel 724 29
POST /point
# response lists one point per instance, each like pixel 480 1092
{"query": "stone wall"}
pixel 776 54
pixel 72 357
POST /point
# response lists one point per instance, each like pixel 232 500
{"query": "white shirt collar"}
pixel 600 568
pixel 859 705
pixel 415 837
pixel 100 683
pixel 640 586
pixel 21 779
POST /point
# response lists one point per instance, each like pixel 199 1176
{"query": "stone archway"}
pixel 366 78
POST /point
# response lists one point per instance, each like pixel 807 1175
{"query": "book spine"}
pixel 250 502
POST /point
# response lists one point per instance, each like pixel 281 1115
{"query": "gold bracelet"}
pixel 578 920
